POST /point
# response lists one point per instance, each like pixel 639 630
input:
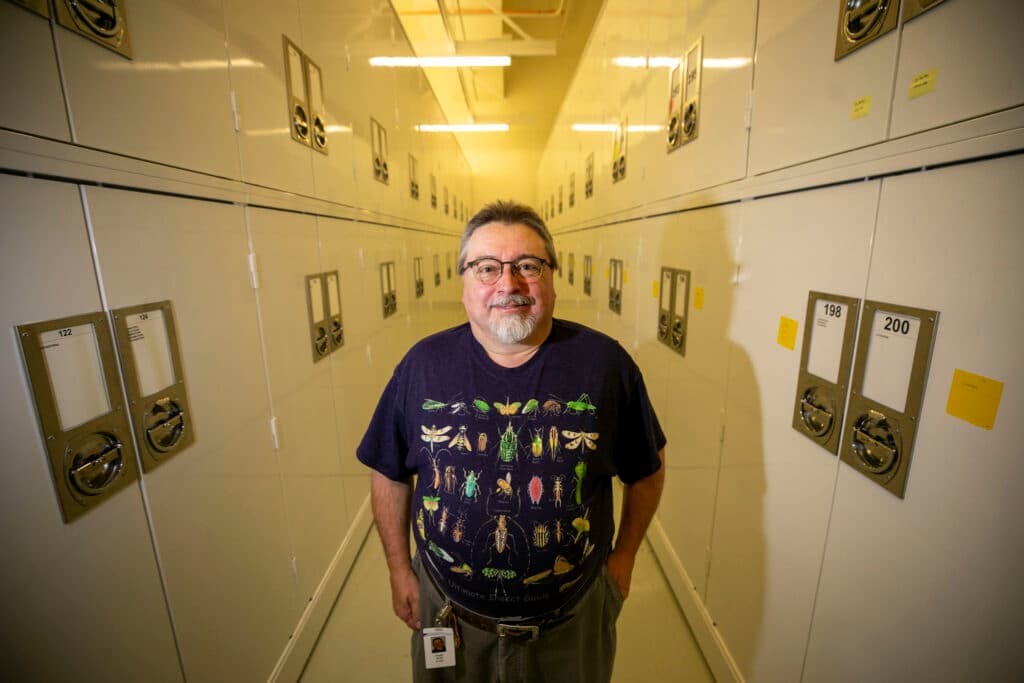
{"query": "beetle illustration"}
pixel 507 449
pixel 553 446
pixel 470 488
pixel 540 535
pixel 443 524
pixel 451 479
pixel 481 407
pixel 537 443
pixel 459 529
pixel 481 442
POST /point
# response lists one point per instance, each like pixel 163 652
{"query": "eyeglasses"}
pixel 489 270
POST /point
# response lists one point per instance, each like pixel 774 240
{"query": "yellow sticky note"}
pixel 656 289
pixel 923 83
pixel 787 332
pixel 607 273
pixel 698 298
pixel 974 398
pixel 625 276
pixel 861 107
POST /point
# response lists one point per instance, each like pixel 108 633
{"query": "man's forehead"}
pixel 499 234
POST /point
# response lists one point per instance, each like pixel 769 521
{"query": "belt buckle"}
pixel 513 631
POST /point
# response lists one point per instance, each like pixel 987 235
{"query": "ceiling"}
pixel 545 39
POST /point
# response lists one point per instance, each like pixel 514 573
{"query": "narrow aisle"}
pixel 363 641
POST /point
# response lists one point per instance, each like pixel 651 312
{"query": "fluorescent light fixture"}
pixel 725 62
pixel 663 62
pixel 630 62
pixel 463 127
pixel 431 62
pixel 644 129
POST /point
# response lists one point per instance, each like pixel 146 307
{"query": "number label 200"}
pixel 896 325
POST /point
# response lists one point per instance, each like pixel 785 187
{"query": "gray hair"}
pixel 508 212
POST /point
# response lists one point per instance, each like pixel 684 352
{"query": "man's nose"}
pixel 510 278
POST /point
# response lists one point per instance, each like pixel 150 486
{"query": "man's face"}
pixel 509 310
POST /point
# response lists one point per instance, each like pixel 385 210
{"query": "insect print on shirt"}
pixel 531 408
pixel 580 405
pixel 434 435
pixel 537 444
pixel 581 525
pixel 461 440
pixel 540 534
pixel 588 440
pixel 553 446
pixel 507 408
pixel 436 481
pixel 451 480
pixel 443 524
pixel 481 443
pixel 581 471
pixel 481 408
pixel 440 552
pixel 420 525
pixel 458 529
pixel 556 489
pixel 430 504
pixel 536 490
pixel 505 486
pixel 508 448
pixel 552 407
pixel 471 486
pixel 558 531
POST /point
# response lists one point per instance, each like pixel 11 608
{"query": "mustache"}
pixel 512 300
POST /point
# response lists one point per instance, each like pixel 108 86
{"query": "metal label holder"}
pixel 316 308
pixel 615 285
pixel 162 418
pixel 878 440
pixel 295 80
pixel 89 461
pixel 818 409
pixel 389 301
pixel 336 327
pixel 588 272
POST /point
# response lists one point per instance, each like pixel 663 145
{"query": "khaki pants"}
pixel 579 650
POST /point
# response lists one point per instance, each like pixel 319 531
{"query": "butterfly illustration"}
pixel 434 435
pixel 507 408
pixel 586 438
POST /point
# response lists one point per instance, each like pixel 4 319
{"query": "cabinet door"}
pixel 947 240
pixel 83 601
pixel 217 509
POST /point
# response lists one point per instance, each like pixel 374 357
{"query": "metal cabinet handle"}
pixel 874 443
pixel 166 425
pixel 817 420
pixel 300 122
pixel 98 470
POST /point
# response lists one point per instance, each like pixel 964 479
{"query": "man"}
pixel 514 423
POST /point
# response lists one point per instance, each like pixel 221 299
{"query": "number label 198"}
pixel 834 310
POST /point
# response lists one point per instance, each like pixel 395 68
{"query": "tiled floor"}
pixel 364 641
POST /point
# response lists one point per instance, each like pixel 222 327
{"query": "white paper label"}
pixel 72 357
pixel 151 349
pixel 827 329
pixel 295 71
pixel 890 359
pixel 316 299
pixel 680 307
pixel 332 295
pixel 315 99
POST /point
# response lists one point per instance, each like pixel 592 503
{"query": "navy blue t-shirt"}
pixel 512 508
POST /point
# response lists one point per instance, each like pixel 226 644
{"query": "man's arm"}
pixel 391 500
pixel 639 501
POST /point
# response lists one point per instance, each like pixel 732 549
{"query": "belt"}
pixel 528 629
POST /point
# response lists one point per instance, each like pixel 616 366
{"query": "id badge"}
pixel 438 647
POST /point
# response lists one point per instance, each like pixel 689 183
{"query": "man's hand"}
pixel 620 568
pixel 405 597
